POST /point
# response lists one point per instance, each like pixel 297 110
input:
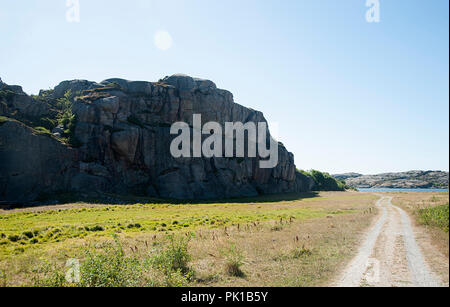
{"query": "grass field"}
pixel 300 241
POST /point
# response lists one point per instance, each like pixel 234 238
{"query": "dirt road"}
pixel 390 255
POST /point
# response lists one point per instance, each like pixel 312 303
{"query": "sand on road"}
pixel 389 255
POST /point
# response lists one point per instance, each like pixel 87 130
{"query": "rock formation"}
pixel 114 137
pixel 408 180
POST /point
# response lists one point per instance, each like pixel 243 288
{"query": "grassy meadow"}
pixel 301 240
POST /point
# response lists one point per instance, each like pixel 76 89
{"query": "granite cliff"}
pixel 114 137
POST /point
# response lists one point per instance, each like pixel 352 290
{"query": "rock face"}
pixel 408 180
pixel 123 143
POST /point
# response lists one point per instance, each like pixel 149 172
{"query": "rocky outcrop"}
pixel 123 143
pixel 32 165
pixel 408 180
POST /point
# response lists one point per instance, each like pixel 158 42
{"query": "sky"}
pixel 347 95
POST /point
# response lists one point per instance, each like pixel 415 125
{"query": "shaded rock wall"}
pixel 123 130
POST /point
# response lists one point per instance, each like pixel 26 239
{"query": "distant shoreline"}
pixel 430 190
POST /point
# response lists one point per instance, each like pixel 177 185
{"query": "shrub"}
pixel 234 261
pixel 435 216
pixel 110 268
pixel 67 119
pixel 325 182
pixel 175 256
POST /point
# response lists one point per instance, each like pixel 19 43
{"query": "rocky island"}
pixel 404 180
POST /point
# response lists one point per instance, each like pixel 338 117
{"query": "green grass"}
pixel 38 229
pixel 35 245
pixel 110 266
pixel 435 216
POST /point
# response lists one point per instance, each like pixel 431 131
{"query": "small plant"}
pixel 301 252
pixel 175 256
pixel 234 261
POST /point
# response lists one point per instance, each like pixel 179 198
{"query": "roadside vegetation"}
pixel 435 216
pixel 325 182
pixel 285 243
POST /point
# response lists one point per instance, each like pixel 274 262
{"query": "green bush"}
pixel 435 216
pixel 67 119
pixel 110 268
pixel 325 182
pixel 174 257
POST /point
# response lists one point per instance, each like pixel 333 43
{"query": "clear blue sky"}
pixel 348 95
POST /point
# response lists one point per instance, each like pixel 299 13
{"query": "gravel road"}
pixel 389 255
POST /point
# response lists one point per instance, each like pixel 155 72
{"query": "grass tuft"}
pixel 234 261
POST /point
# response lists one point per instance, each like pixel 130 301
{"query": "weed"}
pixel 301 252
pixel 175 256
pixel 234 261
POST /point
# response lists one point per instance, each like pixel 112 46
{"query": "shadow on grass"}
pixel 112 199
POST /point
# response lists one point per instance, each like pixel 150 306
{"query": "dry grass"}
pixel 290 243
